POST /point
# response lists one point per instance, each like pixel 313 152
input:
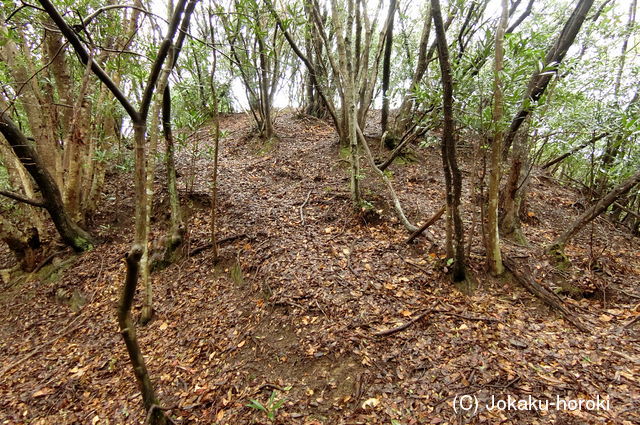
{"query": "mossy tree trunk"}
pixel 72 234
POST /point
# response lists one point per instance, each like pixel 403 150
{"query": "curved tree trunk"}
pixel 72 234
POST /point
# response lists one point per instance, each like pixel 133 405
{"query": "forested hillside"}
pixel 319 212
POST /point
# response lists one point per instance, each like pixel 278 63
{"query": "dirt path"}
pixel 294 307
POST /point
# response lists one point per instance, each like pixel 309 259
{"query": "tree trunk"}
pixel 128 331
pixel 347 79
pixel 623 54
pixel 214 173
pixel 265 105
pixel 70 232
pixel 540 80
pixel 565 155
pixel 386 66
pixel 453 177
pixel 19 243
pixel 494 256
pixel 591 213
pixel 514 190
pixel 176 229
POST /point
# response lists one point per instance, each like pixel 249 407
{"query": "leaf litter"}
pixel 304 305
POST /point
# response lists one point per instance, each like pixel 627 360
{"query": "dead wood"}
pixel 426 225
pixel 394 197
pixel 419 317
pixel 403 326
pixel 223 241
pixel 546 295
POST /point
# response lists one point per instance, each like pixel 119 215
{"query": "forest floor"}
pixel 293 307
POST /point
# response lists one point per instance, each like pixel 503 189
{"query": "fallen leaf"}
pixel 370 403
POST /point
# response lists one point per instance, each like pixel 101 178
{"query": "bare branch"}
pixel 83 54
pixel 20 198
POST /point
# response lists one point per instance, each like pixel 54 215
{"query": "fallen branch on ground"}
pixel 304 204
pixel 544 294
pixel 429 222
pixel 403 326
pixel 229 239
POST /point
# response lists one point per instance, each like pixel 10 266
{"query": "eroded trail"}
pixel 294 306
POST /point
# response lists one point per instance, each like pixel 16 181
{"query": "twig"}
pixel 481 319
pixel 302 207
pixel 206 246
pixel 632 322
pixel 66 331
pixel 404 326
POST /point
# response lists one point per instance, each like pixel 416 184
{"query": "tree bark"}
pixel 494 256
pixel 343 27
pixel 19 244
pixel 514 190
pixel 128 331
pixel 540 79
pixel 453 177
pixel 72 234
pixel 386 65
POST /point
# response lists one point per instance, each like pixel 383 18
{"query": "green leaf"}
pixel 255 404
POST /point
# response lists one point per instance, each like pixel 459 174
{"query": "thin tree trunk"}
pixel 263 79
pixel 347 78
pixel 623 54
pixel 76 147
pixel 128 331
pixel 396 201
pixel 540 80
pixel 494 256
pixel 386 66
pixel 216 151
pixel 176 229
pixel 513 192
pixel 565 155
pixel 453 177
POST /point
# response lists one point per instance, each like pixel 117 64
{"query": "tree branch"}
pixel 162 55
pixel 83 54
pixel 20 198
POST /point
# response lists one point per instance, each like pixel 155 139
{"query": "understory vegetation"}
pixel 318 212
